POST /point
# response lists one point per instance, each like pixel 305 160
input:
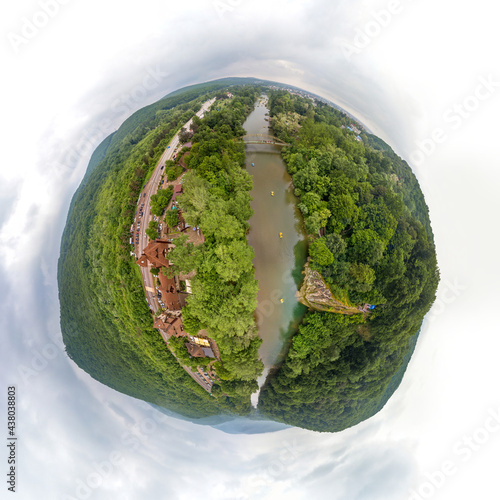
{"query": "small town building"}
pixel 198 351
pixel 171 325
pixel 169 293
pixel 177 191
pixel 155 253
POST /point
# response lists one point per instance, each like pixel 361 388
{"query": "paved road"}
pixel 149 190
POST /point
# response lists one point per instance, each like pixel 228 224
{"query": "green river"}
pixel 278 261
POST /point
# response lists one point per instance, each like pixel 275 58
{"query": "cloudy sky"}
pixel 424 76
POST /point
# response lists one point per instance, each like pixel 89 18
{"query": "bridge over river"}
pixel 263 139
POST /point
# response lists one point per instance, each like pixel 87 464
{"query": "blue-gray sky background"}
pixel 402 67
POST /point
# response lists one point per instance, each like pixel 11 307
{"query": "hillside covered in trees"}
pixel 370 240
pixel 224 290
pixel 105 320
pixel 369 236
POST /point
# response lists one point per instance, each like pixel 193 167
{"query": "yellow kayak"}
pixel 272 193
pixel 281 235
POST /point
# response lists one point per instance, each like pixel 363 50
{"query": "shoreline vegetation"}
pixel 371 251
pixel 216 199
pixel 106 323
pixel 372 271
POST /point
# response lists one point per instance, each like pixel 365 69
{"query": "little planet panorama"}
pixel 244 249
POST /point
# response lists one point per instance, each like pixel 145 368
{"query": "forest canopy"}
pixel 370 240
pixel 105 320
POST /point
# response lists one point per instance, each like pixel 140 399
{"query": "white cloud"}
pixel 80 76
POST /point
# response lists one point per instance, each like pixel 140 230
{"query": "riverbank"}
pixel 278 260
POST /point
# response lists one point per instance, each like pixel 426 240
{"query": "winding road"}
pixel 149 190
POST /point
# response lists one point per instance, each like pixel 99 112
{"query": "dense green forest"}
pixel 216 199
pixel 106 323
pixel 370 239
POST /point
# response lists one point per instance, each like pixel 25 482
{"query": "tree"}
pixel 312 201
pixel 363 277
pixel 152 230
pixel 344 210
pixel 336 244
pixel 160 200
pixel 172 218
pixel 320 255
pixel 185 135
pixel 317 220
pixel 366 247
pixel 376 216
pixel 185 256
pixel 307 178
pixel 234 259
pixel 195 198
pixel 218 223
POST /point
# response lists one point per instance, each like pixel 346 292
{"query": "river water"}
pixel 278 261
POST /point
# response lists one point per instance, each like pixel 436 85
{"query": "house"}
pixel 200 341
pixel 195 350
pixel 175 327
pixel 177 191
pixel 198 351
pixel 160 324
pixel 182 226
pixel 155 253
pixel 208 346
pixel 170 325
pixel 169 292
pixel 208 352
